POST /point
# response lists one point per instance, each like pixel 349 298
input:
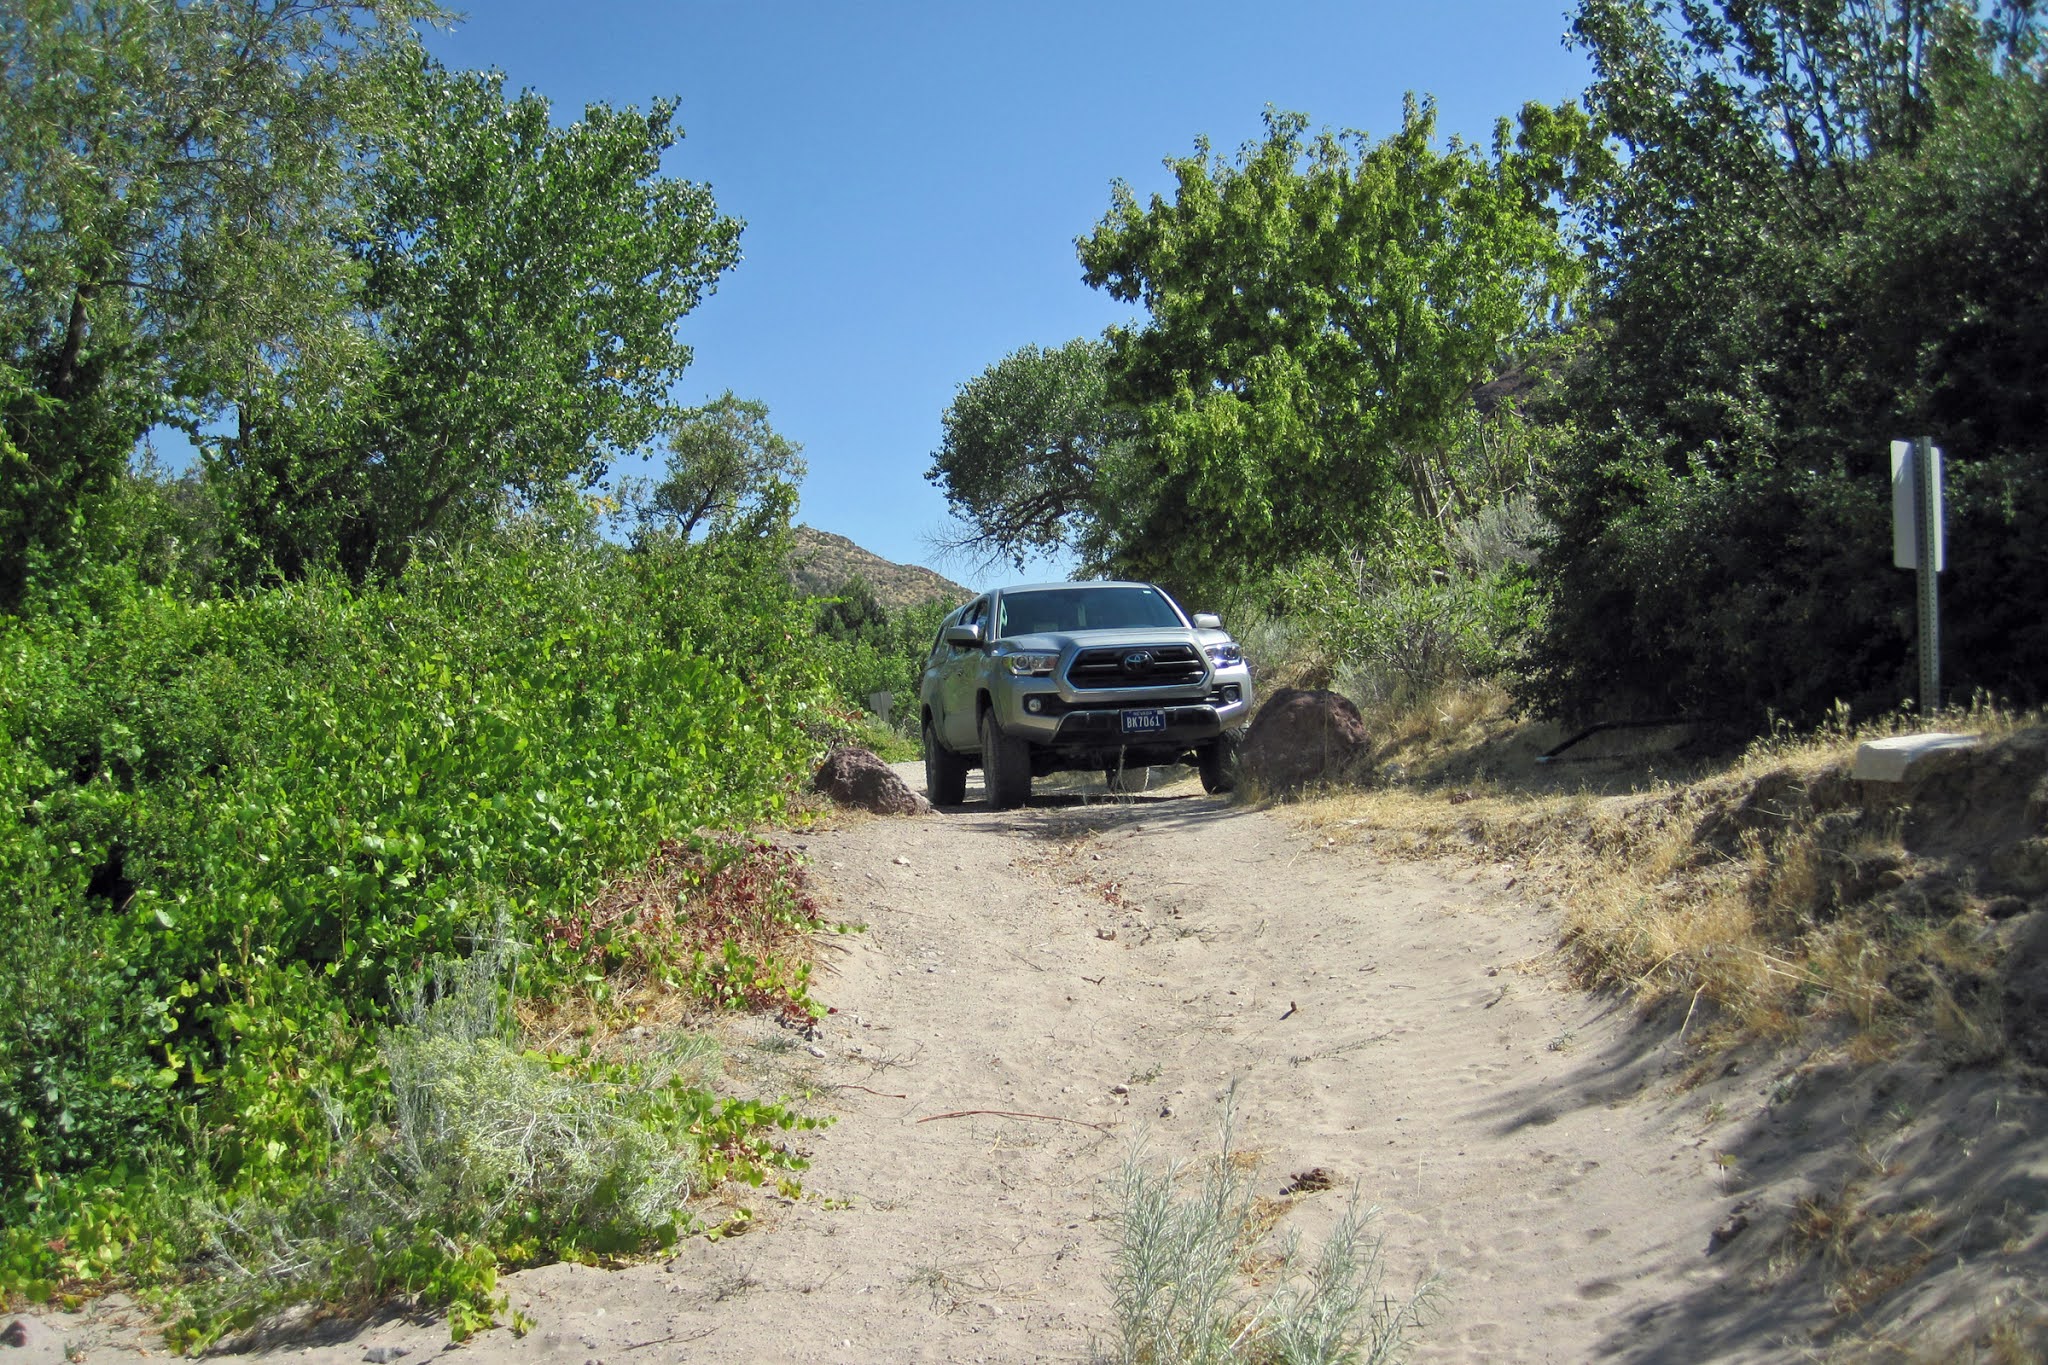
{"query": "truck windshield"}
pixel 1059 610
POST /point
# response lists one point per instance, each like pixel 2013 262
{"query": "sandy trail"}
pixel 1119 965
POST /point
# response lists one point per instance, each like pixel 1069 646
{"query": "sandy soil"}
pixel 1114 966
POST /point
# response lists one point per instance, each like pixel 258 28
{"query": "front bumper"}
pixel 1094 721
pixel 1104 729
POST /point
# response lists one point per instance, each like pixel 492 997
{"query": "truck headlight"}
pixel 1032 665
pixel 1225 656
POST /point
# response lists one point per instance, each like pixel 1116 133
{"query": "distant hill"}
pixel 823 562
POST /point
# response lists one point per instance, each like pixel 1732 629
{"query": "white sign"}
pixel 1903 474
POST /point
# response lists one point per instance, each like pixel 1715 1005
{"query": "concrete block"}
pixel 1892 760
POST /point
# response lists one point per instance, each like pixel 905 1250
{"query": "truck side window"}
pixel 966 616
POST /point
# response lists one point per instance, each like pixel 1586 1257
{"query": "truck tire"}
pixel 1005 765
pixel 1217 762
pixel 945 772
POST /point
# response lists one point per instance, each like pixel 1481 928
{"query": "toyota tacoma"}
pixel 1077 677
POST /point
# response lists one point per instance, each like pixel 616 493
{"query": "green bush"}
pixel 869 648
pixel 1737 594
pixel 1391 630
pixel 1770 317
pixel 481 1153
pixel 233 827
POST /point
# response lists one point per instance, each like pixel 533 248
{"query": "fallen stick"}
pixel 1015 1114
pixel 673 1336
pixel 885 1094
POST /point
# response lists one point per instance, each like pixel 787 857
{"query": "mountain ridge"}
pixel 823 562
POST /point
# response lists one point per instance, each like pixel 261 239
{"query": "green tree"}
pixel 172 169
pixel 521 285
pixel 854 614
pixel 1024 448
pixel 1319 312
pixel 726 467
pixel 1807 247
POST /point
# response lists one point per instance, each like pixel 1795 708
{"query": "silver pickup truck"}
pixel 1064 677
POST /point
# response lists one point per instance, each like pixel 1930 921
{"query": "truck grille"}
pixel 1137 666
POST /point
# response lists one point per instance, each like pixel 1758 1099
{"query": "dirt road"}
pixel 1119 964
pixel 1115 965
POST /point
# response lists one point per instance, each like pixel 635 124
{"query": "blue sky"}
pixel 913 176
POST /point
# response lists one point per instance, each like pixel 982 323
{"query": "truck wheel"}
pixel 1005 765
pixel 945 772
pixel 1124 779
pixel 1218 764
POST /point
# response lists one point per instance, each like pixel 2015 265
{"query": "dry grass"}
pixel 715 923
pixel 1865 1250
pixel 1450 720
pixel 2008 1330
pixel 1742 887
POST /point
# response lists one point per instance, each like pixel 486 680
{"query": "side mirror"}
pixel 964 637
pixel 1208 620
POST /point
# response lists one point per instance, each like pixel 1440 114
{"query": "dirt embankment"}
pixel 1033 990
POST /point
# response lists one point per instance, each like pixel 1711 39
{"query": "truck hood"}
pixel 1060 641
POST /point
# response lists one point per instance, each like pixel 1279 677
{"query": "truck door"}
pixel 959 674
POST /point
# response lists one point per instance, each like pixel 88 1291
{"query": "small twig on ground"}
pixel 1496 999
pixel 673 1336
pixel 1015 1114
pixel 1341 1048
pixel 885 1094
pixel 1291 1007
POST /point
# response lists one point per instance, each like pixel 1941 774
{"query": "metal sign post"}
pixel 1918 544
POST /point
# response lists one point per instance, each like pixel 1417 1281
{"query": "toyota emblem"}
pixel 1138 661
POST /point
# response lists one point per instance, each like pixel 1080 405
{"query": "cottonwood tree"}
pixel 726 468
pixel 521 285
pixel 1318 312
pixel 1024 448
pixel 173 171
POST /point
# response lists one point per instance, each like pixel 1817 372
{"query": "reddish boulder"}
pixel 857 777
pixel 1300 738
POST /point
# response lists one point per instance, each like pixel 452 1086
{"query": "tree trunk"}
pixel 64 382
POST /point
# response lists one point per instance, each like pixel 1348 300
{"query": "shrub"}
pixel 484 1154
pixel 1183 1295
pixel 233 829
pixel 1388 630
pixel 714 917
pixel 868 649
pixel 1767 323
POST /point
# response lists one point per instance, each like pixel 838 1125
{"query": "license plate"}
pixel 1148 721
